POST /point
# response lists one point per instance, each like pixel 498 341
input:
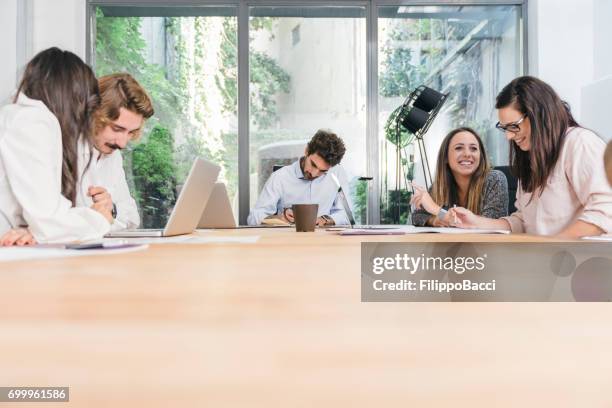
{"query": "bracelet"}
pixel 114 211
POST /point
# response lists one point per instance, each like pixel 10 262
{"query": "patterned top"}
pixel 493 204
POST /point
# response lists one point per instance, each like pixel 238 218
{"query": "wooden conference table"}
pixel 279 323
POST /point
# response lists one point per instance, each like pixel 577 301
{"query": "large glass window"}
pixel 308 68
pixel 186 59
pixel 307 72
pixel 470 52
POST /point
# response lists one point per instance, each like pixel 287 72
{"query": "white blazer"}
pixel 106 170
pixel 31 178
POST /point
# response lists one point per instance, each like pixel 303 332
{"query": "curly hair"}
pixel 327 145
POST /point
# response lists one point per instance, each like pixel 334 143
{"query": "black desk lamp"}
pixel 416 116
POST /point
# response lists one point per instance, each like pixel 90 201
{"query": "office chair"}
pixel 512 186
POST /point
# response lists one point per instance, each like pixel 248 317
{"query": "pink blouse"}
pixel 577 189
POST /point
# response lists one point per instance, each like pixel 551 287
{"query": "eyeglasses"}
pixel 511 127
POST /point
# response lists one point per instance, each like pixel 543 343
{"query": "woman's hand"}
pixel 462 217
pixel 422 200
pixel 17 236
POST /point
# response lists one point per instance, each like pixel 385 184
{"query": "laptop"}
pixel 189 206
pixel 349 212
pixel 218 211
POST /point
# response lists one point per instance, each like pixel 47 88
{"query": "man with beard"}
pixel 306 181
pixel 123 110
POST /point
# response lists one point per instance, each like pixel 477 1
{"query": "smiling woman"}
pixel 463 178
pixel 561 191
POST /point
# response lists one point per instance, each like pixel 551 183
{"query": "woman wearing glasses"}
pixel 464 178
pixel 562 183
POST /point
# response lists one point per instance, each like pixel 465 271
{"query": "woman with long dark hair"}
pixel 39 135
pixel 562 183
pixel 463 177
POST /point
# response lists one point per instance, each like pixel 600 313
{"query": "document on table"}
pixel 604 238
pixel 193 239
pixel 409 229
pixel 359 231
pixel 454 230
pixel 16 253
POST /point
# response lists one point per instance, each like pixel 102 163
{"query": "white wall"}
pixel 59 23
pixel 561 46
pixel 596 104
pixel 602 11
pixel 8 49
pixel 569 47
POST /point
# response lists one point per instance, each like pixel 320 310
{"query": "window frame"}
pixel 371 16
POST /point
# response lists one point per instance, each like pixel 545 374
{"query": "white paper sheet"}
pixel 192 239
pixel 409 229
pixel 605 238
pixel 32 252
pixel 445 230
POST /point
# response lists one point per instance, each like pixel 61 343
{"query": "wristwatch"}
pixel 114 211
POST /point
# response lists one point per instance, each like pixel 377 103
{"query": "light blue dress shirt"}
pixel 287 186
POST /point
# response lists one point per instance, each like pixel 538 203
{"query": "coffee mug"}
pixel 305 216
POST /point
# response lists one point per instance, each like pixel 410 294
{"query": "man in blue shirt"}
pixel 307 181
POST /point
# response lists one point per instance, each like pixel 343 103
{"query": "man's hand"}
pixel 287 215
pixel 103 209
pixel 100 196
pixel 325 221
pixel 17 236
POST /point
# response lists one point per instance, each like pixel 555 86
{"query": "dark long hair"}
pixel 69 89
pixel 550 117
pixel 445 190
